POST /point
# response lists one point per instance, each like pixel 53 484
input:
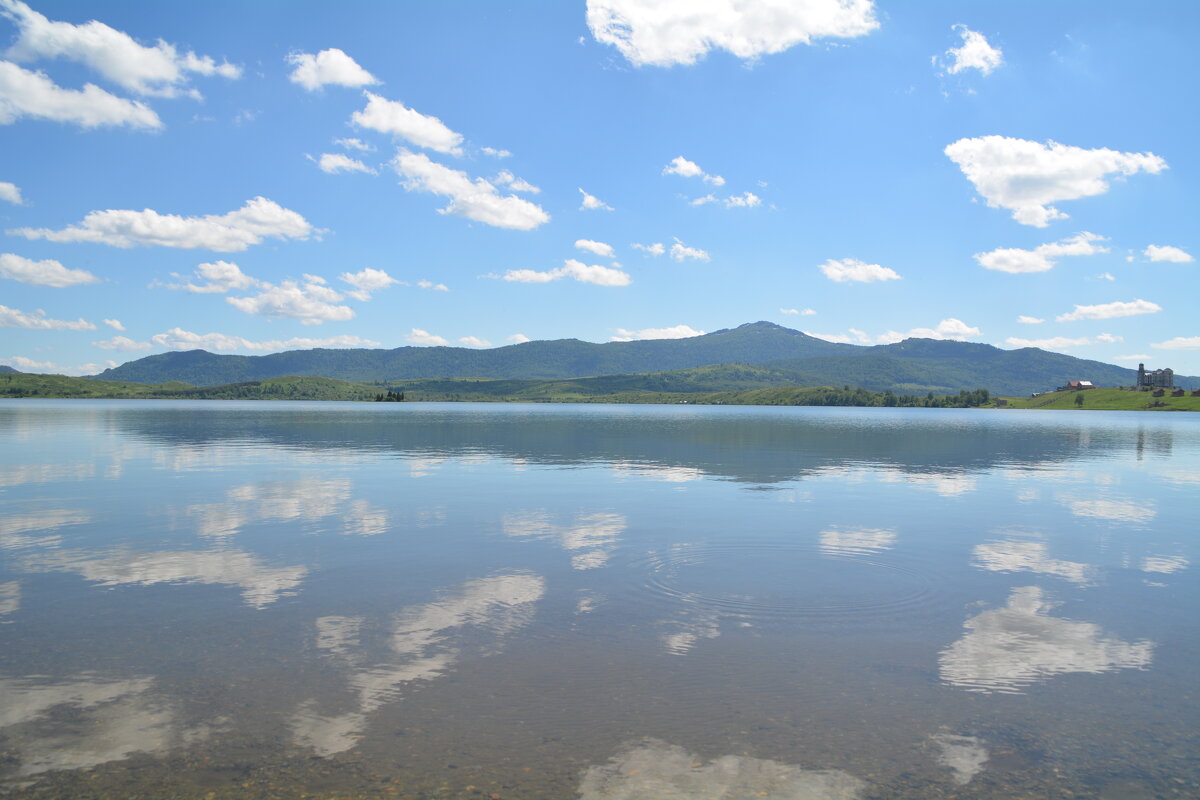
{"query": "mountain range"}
pixel 781 356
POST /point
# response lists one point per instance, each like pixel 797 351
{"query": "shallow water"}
pixel 426 600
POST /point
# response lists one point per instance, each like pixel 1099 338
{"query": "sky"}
pixel 254 177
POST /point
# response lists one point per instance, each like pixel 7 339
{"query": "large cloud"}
pixel 32 94
pixel 42 273
pixel 478 199
pixel 234 231
pixel 950 328
pixel 576 270
pixel 397 119
pixel 328 67
pixel 158 70
pixel 179 339
pixel 1179 343
pixel 38 321
pixel 216 277
pixel 366 281
pixel 1110 310
pixel 668 32
pixel 852 270
pixel 1027 177
pixel 674 332
pixel 10 193
pixel 311 302
pixel 1041 258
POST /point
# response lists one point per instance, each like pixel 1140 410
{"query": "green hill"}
pixel 285 388
pixel 1108 400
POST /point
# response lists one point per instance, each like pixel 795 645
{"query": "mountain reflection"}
pixel 1008 648
pixel 939 450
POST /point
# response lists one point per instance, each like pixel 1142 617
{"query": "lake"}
pixel 553 601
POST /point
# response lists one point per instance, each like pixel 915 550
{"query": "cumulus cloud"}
pixel 436 287
pixel 42 273
pixel 1043 257
pixel 159 70
pixel 326 68
pixel 354 144
pixel 1060 342
pixel 690 169
pixel 310 302
pixel 1027 320
pixel 852 270
pixel 1179 343
pixel 1164 253
pixel 656 249
pixel 366 281
pixel 10 193
pixel 474 341
pixel 1110 310
pixel 259 219
pixel 33 94
pixel 506 178
pixel 855 336
pixel 419 336
pixel 576 270
pixel 477 200
pixel 802 312
pixel 393 117
pixel 518 338
pixel 494 153
pixel 743 200
pixel 681 252
pixel 179 339
pixel 672 32
pixel 333 163
pixel 675 332
pixel 597 248
pixel 216 277
pixel 951 328
pixel 121 343
pixel 975 53
pixel 37 320
pixel 593 203
pixel 1028 177
pixel 115 324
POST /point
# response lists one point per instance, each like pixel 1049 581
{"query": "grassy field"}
pixel 289 388
pixel 1107 400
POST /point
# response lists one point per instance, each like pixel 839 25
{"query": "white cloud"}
pixel 311 303
pixel 1109 338
pixel 494 153
pixel 593 203
pixel 1027 177
pixel 121 343
pixel 703 201
pixel 851 269
pixel 597 248
pixel 1026 320
pixel 10 193
pixel 354 144
pixel 744 200
pixel 1106 276
pixel 42 273
pixel 260 218
pixel 216 277
pixel 576 270
pixel 1159 253
pixel 672 32
pixel 115 324
pixel 392 116
pixel 179 339
pixel 15 318
pixel 1052 343
pixel 1143 356
pixel 334 163
pixel 477 200
pixel 855 336
pixel 1178 343
pixel 32 94
pixel 1042 258
pixel 419 336
pixel 690 169
pixel 518 338
pixel 506 178
pixel 1110 310
pixel 159 70
pixel 951 328
pixel 656 249
pixel 675 332
pixel 474 341
pixel 681 252
pixel 366 281
pixel 806 312
pixel 436 287
pixel 328 67
pixel 975 53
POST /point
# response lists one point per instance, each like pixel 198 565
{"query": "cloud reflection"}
pixel 856 541
pixel 10 598
pixel 590 538
pixel 1009 648
pixel 1010 555
pixel 965 755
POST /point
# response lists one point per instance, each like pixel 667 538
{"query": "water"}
pixel 424 600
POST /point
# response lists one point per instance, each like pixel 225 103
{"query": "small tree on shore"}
pixel 1079 400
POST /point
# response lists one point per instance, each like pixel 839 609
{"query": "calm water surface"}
pixel 423 600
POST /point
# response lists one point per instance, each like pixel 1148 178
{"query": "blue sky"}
pixel 250 177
